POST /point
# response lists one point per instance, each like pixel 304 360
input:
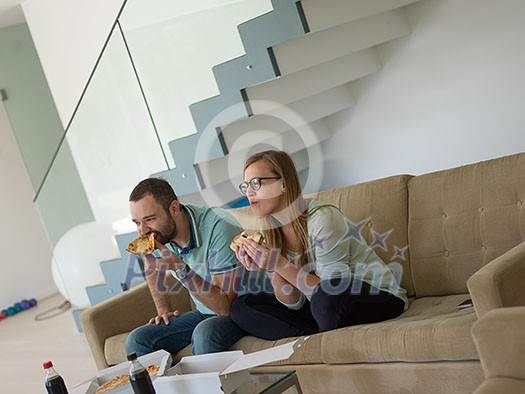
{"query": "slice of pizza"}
pixel 239 239
pixel 153 370
pixel 122 380
pixel 144 244
pixel 118 381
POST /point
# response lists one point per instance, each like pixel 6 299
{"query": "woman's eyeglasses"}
pixel 254 183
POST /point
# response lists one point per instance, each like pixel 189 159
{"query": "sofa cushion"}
pixel 432 329
pixel 308 353
pixel 114 350
pixel 463 218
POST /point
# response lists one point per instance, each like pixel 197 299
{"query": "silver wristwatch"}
pixel 182 273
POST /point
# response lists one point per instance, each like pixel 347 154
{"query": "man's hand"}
pixel 164 317
pixel 169 259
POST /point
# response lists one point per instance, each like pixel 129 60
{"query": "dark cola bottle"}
pixel 53 381
pixel 139 376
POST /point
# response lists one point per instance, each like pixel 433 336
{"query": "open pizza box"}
pixel 160 358
pixel 220 373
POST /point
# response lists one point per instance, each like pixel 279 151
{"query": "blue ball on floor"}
pixel 18 307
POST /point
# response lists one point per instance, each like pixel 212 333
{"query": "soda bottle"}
pixel 139 376
pixel 53 381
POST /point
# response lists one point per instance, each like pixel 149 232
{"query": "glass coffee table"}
pixel 276 382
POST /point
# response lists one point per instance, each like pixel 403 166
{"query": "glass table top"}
pixel 271 382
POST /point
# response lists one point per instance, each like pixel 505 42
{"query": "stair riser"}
pixel 313 81
pixel 222 193
pixel 329 13
pixel 229 168
pixel 291 116
pixel 326 45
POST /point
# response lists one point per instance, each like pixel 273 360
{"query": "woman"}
pixel 323 278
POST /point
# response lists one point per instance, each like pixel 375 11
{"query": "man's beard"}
pixel 167 232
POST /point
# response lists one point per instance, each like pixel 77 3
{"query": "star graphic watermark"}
pixel 399 253
pixel 380 239
pixel 318 242
pixel 353 230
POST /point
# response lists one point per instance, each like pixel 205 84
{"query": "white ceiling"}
pixel 11 12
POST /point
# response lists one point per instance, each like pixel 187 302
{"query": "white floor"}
pixel 25 344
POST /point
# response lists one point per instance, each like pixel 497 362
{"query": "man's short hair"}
pixel 159 188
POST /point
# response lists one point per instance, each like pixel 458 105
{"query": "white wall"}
pixel 25 262
pixel 450 93
pixel 69 36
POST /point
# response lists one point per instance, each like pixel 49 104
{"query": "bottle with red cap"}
pixel 54 382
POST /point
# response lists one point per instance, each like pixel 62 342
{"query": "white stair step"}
pixel 329 44
pixel 312 81
pixel 229 167
pixel 322 14
pixel 282 119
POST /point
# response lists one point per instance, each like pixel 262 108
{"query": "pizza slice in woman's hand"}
pixel 239 239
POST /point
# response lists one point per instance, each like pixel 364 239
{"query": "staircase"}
pixel 300 61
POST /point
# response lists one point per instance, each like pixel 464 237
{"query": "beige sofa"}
pixel 464 229
pixel 501 345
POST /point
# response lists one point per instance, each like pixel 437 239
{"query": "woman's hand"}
pixel 244 259
pixel 262 256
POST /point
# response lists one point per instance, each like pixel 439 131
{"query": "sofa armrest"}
pixel 499 283
pixel 499 338
pixel 118 315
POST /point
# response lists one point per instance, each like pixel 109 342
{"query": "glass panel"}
pixel 110 146
pixel 175 45
pixel 28 101
pixel 137 101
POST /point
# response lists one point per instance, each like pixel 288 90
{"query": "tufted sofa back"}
pixel 461 219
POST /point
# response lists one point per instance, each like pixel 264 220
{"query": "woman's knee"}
pixel 238 307
pixel 327 303
pixel 326 296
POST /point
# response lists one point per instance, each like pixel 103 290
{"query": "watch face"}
pixel 181 273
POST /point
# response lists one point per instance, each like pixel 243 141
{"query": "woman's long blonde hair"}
pixel 281 164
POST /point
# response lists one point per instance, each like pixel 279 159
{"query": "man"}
pixel 194 247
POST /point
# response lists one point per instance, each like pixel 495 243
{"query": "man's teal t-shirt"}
pixel 208 251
